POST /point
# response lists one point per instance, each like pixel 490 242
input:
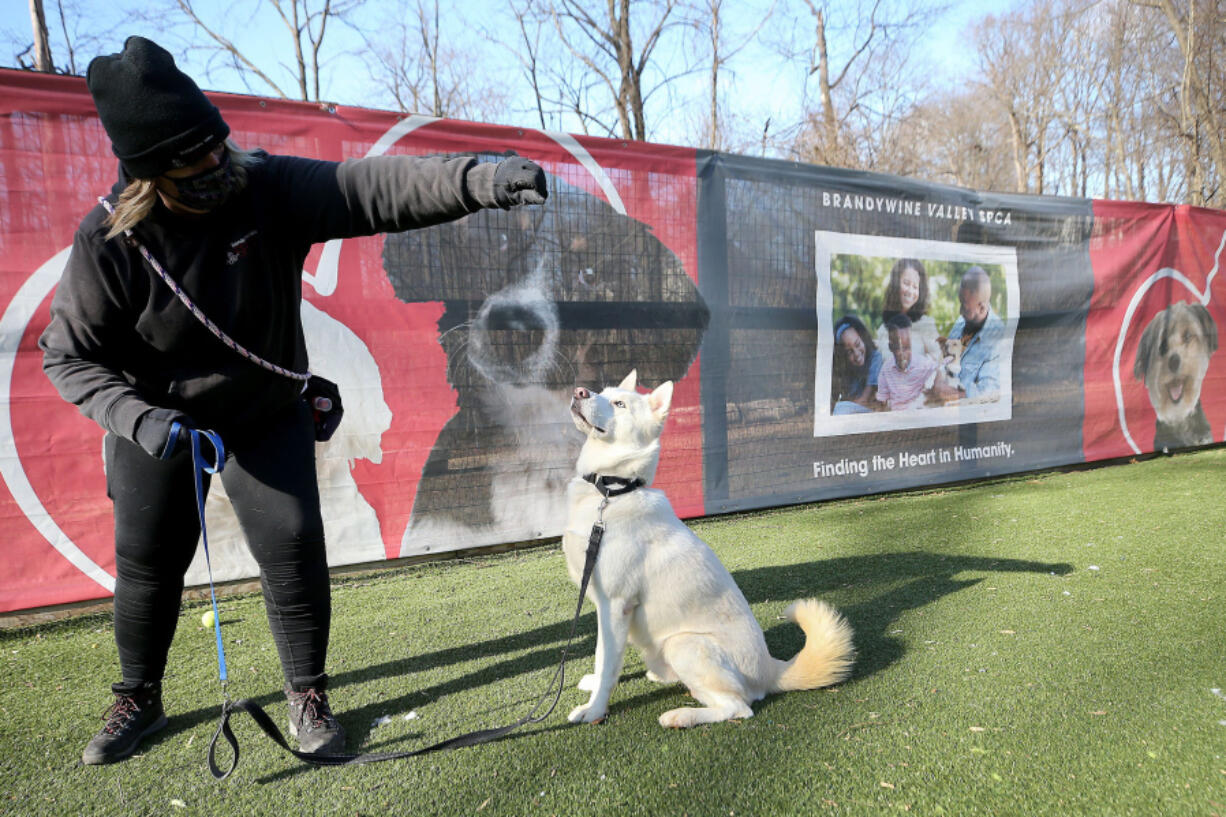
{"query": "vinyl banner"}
pixel 829 333
pixel 456 348
pixel 1155 380
pixel 809 393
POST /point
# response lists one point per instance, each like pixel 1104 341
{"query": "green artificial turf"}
pixel 1041 645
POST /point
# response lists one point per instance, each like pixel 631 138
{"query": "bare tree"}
pixel 71 67
pixel 605 45
pixel 412 62
pixel 1199 28
pixel 857 56
pixel 1060 107
pixel 711 24
pixel 527 51
pixel 417 64
pixel 954 138
pixel 1131 151
pixel 76 26
pixel 819 64
pixel 311 26
pixel 395 65
pixel 42 44
pixel 1023 59
pixel 307 25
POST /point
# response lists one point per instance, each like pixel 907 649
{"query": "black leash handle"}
pixel 470 739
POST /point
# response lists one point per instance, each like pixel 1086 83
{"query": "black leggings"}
pixel 269 476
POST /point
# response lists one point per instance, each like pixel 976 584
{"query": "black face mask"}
pixel 208 189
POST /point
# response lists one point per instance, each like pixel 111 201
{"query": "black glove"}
pixel 163 432
pixel 324 398
pixel 519 181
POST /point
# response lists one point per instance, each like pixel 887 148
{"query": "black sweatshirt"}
pixel 125 350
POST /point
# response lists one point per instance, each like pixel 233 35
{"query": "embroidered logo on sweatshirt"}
pixel 238 248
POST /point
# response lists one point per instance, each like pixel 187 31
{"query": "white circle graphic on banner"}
pixel 327 270
pixel 21 309
pixel 13 327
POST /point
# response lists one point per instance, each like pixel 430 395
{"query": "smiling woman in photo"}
pixel 907 293
pixel 856 363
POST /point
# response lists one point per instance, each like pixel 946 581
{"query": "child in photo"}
pixel 905 374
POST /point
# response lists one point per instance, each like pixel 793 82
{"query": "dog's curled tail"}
pixel 828 653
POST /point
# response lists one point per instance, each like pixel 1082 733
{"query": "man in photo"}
pixel 902 382
pixel 981 331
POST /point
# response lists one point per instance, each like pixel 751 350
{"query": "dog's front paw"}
pixel 586 714
pixel 682 718
pixel 588 682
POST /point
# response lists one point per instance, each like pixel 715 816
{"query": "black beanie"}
pixel 156 116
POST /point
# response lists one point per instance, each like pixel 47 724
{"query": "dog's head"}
pixel 1173 357
pixel 622 427
pixel 951 351
pixel 952 348
pixel 550 296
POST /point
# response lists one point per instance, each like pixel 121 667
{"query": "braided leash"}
pixel 200 316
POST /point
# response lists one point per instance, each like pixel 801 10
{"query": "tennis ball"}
pixel 207 619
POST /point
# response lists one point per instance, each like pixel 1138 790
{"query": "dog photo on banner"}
pixel 533 304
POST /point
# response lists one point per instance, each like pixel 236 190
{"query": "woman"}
pixel 857 361
pixel 231 229
pixel 907 294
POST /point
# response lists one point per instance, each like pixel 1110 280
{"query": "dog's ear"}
pixel 631 382
pixel 1207 325
pixel 1145 349
pixel 660 399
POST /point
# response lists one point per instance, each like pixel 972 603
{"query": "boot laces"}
pixel 120 713
pixel 315 709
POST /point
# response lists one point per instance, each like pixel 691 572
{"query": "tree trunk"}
pixel 626 91
pixel 1199 106
pixel 713 125
pixel 42 45
pixel 830 125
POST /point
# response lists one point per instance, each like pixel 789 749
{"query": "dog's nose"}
pixel 1173 362
pixel 582 393
pixel 514 317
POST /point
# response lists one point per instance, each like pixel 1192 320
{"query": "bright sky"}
pixel 760 83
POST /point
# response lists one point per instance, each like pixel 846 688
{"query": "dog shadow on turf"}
pixel 886 585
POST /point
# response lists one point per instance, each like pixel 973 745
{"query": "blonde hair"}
pixel 139 197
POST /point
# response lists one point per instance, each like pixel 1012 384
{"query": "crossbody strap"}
pixel 200 316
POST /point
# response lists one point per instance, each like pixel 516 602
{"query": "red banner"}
pixel 1152 380
pixel 384 351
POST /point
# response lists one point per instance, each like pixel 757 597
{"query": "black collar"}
pixel 613 486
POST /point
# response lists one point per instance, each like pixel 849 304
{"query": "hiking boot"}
pixel 312 722
pixel 136 714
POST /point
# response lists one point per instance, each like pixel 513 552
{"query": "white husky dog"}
pixel 659 587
